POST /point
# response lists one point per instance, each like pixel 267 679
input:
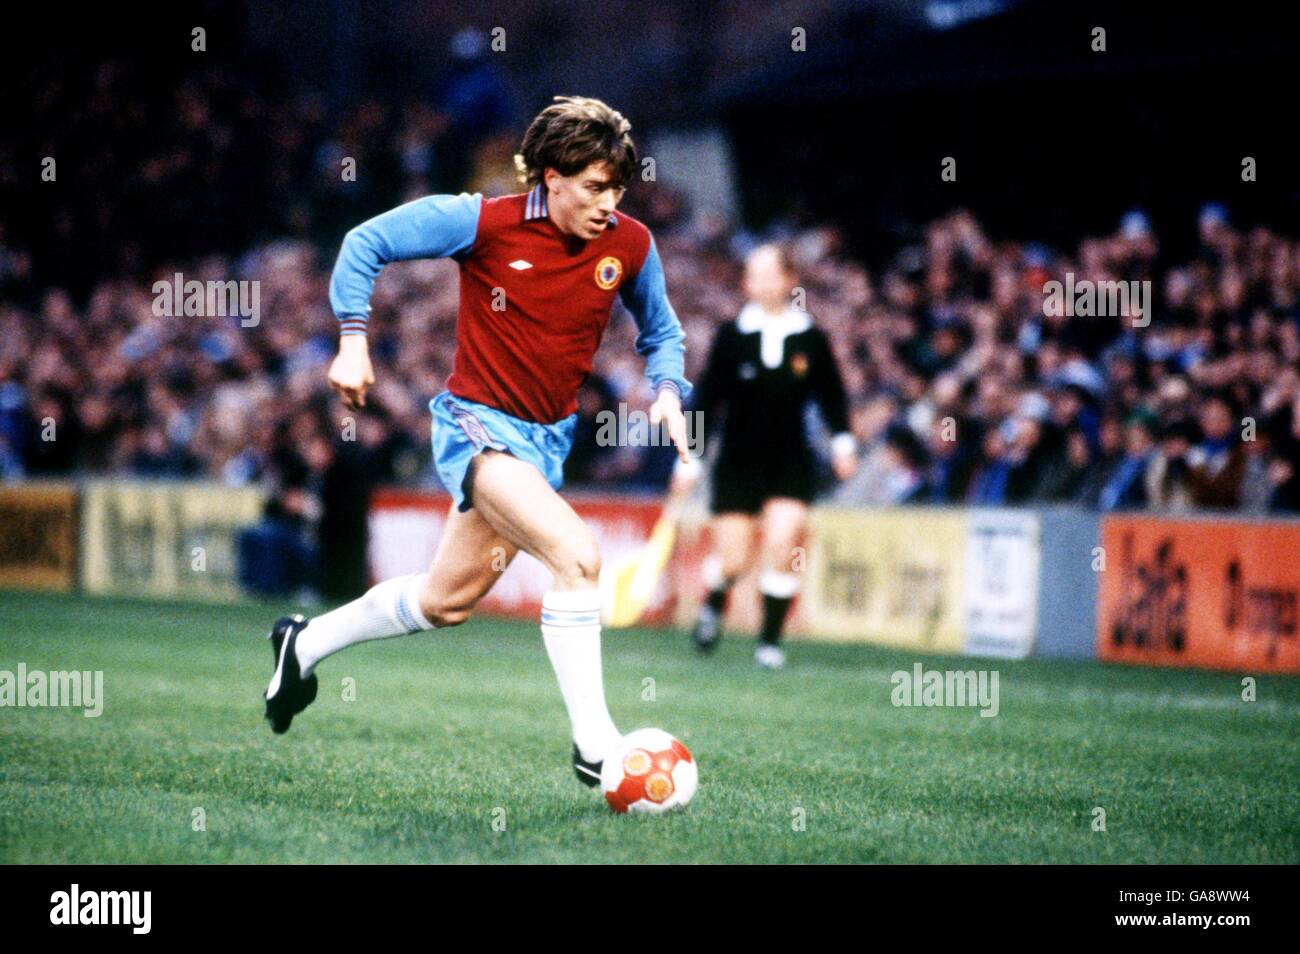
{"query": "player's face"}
pixel 766 281
pixel 581 204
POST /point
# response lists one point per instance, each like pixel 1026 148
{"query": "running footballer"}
pixel 539 272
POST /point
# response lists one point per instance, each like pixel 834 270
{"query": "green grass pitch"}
pixel 453 731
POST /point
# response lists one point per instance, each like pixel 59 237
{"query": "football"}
pixel 649 772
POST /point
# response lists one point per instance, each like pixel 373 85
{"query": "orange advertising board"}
pixel 1219 594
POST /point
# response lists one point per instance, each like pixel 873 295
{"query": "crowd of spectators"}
pixel 970 388
pixel 141 165
pixel 964 387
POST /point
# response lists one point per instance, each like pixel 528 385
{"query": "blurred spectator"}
pixel 905 460
pixel 1126 488
pixel 1104 461
pixel 276 557
pixel 1169 478
pixel 1217 463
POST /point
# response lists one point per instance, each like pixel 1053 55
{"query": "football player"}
pixel 539 272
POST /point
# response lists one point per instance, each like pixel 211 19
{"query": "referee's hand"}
pixel 844 456
pixel 844 465
pixel 668 408
pixel 350 374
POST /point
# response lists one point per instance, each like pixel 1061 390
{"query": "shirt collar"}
pixel 535 206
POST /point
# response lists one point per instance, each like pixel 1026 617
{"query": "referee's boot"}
pixel 708 629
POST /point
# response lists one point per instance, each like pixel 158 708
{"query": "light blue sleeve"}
pixel 661 340
pixel 437 226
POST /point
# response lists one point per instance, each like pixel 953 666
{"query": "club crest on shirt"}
pixel 608 271
pixel 799 364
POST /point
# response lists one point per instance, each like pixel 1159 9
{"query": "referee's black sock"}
pixel 778 591
pixel 717 598
pixel 774 610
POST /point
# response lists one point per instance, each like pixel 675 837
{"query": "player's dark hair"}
pixel 571 134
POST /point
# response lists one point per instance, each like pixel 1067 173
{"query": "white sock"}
pixel 571 631
pixel 781 585
pixel 390 608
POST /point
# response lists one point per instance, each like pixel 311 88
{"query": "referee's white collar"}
pixel 792 321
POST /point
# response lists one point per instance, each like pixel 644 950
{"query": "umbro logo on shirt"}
pixel 519 264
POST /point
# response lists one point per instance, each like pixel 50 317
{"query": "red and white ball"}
pixel 649 772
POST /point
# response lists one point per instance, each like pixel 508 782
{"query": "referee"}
pixel 763 371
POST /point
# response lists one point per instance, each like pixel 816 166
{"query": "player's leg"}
pixel 784 522
pixel 470 559
pixel 732 537
pixel 518 502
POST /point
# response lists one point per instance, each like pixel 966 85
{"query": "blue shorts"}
pixel 464 428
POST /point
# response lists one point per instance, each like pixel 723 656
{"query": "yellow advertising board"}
pixel 38 536
pixel 167 540
pixel 892 577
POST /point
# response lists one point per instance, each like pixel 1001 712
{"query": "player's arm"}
pixel 437 226
pixel 828 387
pixel 662 343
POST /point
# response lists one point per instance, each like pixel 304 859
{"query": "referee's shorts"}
pixel 744 486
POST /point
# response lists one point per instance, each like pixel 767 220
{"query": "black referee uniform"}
pixel 761 373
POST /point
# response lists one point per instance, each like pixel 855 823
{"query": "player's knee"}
pixel 780 555
pixel 733 561
pixel 579 564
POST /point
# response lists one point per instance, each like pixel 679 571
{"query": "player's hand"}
pixel 350 373
pixel 668 409
pixel 686 474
